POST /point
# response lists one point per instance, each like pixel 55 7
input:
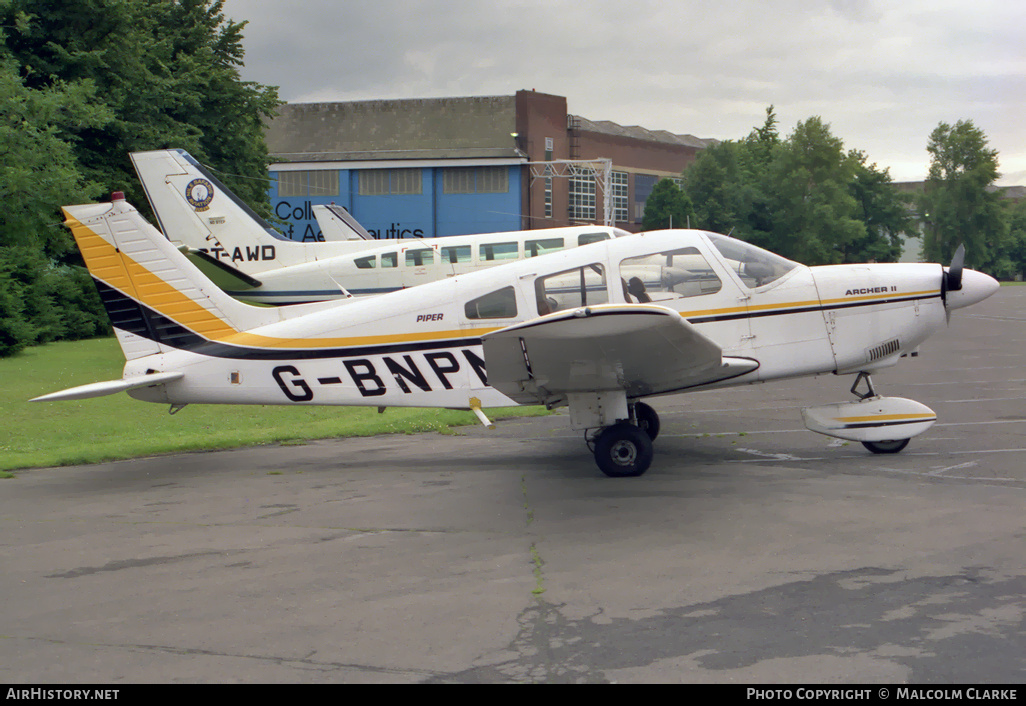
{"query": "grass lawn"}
pixel 43 434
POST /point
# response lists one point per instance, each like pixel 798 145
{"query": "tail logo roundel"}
pixel 199 193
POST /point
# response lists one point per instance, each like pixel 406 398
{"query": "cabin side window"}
pixel 581 286
pixel 586 238
pixel 500 304
pixel 499 251
pixel 534 248
pixel 390 259
pixel 667 275
pixel 753 265
pixel 419 258
pixel 456 254
pixel 366 263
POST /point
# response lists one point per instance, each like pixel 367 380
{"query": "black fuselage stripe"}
pixel 805 309
pixel 869 425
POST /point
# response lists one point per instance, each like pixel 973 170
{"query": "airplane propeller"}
pixel 953 277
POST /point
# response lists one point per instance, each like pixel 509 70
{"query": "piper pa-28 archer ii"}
pixel 598 328
pixel 250 260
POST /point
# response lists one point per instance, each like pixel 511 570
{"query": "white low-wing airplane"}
pixel 253 262
pixel 597 328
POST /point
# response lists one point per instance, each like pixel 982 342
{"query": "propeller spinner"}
pixel 960 287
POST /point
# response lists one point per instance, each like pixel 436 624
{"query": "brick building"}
pixel 449 166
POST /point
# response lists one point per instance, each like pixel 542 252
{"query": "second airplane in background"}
pixel 252 261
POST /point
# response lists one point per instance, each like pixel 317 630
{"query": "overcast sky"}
pixel 882 73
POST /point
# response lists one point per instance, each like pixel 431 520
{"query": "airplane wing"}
pixel 641 349
pixel 109 387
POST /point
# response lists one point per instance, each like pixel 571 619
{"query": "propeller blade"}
pixel 954 274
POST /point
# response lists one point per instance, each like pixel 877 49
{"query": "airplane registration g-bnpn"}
pixel 253 262
pixel 597 328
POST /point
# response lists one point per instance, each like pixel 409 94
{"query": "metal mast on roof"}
pixel 601 170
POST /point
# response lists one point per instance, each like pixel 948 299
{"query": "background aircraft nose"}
pixel 976 287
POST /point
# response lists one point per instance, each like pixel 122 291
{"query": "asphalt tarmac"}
pixel 752 551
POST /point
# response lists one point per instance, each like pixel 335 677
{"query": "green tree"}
pixel 813 207
pixel 803 197
pixel 168 72
pixel 40 300
pixel 956 205
pixel 883 211
pixel 715 186
pixel 667 207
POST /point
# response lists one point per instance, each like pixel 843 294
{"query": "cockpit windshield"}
pixel 753 265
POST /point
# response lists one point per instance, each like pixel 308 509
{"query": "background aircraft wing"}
pixel 641 349
pixel 223 275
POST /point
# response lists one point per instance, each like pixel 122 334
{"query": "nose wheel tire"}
pixel 886 447
pixel 623 450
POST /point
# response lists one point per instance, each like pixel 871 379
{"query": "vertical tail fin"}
pixel 196 209
pixel 337 224
pixel 156 299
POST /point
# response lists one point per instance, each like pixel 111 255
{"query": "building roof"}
pixel 606 127
pixel 425 128
pixel 431 128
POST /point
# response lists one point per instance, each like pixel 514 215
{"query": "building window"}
pixel 643 185
pixel 475 180
pixel 383 182
pixel 618 192
pixel 492 180
pixel 548 177
pixel 582 198
pixel 322 182
pixel 406 181
pixel 458 180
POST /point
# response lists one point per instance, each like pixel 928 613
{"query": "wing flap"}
pixel 641 349
pixel 109 387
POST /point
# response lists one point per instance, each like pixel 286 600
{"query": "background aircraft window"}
pixel 582 286
pixel 753 265
pixel 533 248
pixel 456 254
pixel 501 304
pixel 500 251
pixel 366 263
pixel 585 238
pixel 417 258
pixel 672 274
pixel 390 259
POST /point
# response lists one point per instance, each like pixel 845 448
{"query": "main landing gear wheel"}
pixel 886 447
pixel 647 418
pixel 623 450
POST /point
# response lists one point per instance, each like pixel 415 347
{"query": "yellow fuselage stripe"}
pixel 886 418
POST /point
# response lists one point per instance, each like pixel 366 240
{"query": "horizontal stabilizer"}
pixel 222 274
pixel 110 387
